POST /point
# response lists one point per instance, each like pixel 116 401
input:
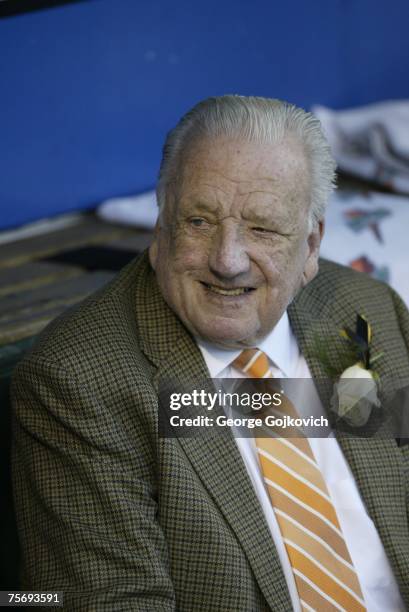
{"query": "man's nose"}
pixel 228 255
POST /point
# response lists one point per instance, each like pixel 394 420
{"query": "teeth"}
pixel 238 291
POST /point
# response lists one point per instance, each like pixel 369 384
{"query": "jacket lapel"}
pixel 217 461
pixel 376 464
pixel 215 457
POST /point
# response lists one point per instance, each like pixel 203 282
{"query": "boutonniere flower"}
pixel 356 392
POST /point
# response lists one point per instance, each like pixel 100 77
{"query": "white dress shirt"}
pixel 378 584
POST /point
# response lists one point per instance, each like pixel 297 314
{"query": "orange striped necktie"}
pixel 324 574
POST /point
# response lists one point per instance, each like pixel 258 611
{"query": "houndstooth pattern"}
pixel 121 520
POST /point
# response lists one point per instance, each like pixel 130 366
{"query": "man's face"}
pixel 233 246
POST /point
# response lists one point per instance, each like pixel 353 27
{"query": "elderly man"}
pixel 121 519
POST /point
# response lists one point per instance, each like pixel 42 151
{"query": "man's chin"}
pixel 228 336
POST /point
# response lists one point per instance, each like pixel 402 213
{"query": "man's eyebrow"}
pixel 260 214
pixel 194 205
pixel 262 218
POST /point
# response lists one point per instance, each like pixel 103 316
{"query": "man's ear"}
pixel 314 243
pixel 153 249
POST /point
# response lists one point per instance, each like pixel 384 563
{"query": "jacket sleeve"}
pixel 86 495
pixel 403 318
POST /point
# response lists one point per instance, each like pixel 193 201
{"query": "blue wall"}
pixel 88 90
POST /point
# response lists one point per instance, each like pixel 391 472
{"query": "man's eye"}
pixel 261 230
pixel 197 222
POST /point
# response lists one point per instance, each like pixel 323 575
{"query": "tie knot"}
pixel 254 363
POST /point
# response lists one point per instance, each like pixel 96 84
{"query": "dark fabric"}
pixel 9 550
pixel 119 519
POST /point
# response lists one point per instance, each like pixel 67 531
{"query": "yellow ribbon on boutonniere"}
pixel 356 392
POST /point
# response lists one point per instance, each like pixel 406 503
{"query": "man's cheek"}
pixel 190 258
pixel 190 251
pixel 273 265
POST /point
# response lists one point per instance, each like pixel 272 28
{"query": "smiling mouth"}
pixel 229 292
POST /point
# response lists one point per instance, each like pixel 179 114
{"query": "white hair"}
pixel 252 119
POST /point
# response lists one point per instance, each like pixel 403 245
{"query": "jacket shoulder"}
pixel 339 286
pixel 338 294
pixel 334 273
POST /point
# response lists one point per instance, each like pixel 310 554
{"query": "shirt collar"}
pixel 279 345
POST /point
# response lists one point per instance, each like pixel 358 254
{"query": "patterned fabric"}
pixel 367 231
pixel 120 519
pixel 321 564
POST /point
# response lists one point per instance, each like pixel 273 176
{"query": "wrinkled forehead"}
pixel 224 170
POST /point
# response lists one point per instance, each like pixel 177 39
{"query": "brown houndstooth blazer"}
pixel 120 519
